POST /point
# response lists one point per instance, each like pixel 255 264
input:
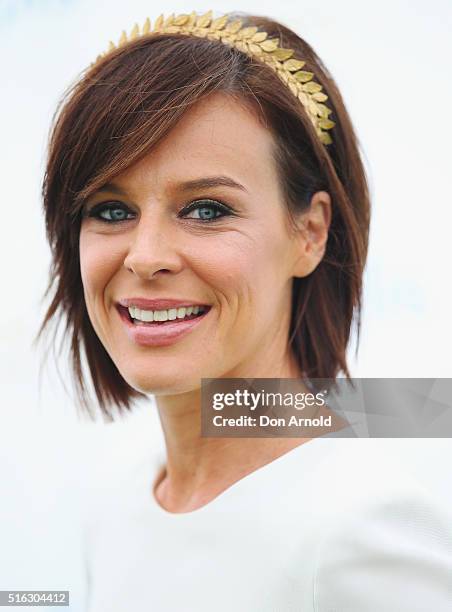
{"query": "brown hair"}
pixel 124 105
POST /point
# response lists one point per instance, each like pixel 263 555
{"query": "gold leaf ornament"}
pixel 259 37
pixel 270 45
pixel 246 33
pixel 283 54
pixel 204 20
pixel 255 43
pixel 234 26
pixel 303 76
pixel 292 65
pixel 159 23
pixel 219 23
pixel 312 87
pixel 147 26
pixel 169 21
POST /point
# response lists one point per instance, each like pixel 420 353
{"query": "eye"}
pixel 110 212
pixel 207 210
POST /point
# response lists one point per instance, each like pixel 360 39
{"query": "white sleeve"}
pixel 390 555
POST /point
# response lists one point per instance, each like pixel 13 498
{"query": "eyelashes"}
pixel 111 209
pixel 117 212
pixel 213 205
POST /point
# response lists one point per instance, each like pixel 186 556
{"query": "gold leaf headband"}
pixel 255 44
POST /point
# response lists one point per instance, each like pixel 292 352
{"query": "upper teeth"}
pixel 163 315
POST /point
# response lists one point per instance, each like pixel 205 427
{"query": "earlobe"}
pixel 312 234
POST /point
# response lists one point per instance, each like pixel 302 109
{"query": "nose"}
pixel 153 248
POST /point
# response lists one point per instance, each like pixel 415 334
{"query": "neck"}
pixel 198 469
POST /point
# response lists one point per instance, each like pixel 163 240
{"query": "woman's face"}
pixel 147 243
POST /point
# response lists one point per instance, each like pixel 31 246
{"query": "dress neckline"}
pixel 316 449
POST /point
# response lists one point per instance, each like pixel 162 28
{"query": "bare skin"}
pixel 242 264
pixel 199 469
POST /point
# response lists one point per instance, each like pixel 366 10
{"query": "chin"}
pixel 162 384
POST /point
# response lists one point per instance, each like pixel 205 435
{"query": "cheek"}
pixel 252 272
pixel 99 260
pixel 237 266
pixel 225 264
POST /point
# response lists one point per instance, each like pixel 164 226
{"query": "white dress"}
pixel 335 525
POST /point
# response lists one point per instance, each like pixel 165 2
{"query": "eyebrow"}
pixel 211 181
pixel 192 185
pixel 111 188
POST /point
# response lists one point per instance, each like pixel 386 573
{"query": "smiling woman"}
pixel 208 216
pixel 167 233
pixel 297 222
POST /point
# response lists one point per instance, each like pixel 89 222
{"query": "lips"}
pixel 125 314
pixel 159 333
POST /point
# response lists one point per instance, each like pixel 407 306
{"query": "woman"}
pixel 208 215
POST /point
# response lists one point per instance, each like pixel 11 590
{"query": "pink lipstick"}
pixel 159 333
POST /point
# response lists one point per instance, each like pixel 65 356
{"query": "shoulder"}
pixel 385 541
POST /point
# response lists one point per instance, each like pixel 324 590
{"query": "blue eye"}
pixel 110 212
pixel 115 212
pixel 207 212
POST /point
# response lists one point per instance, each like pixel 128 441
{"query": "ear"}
pixel 311 235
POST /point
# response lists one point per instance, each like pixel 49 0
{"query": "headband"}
pixel 252 42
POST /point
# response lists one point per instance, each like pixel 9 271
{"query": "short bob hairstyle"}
pixel 128 102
